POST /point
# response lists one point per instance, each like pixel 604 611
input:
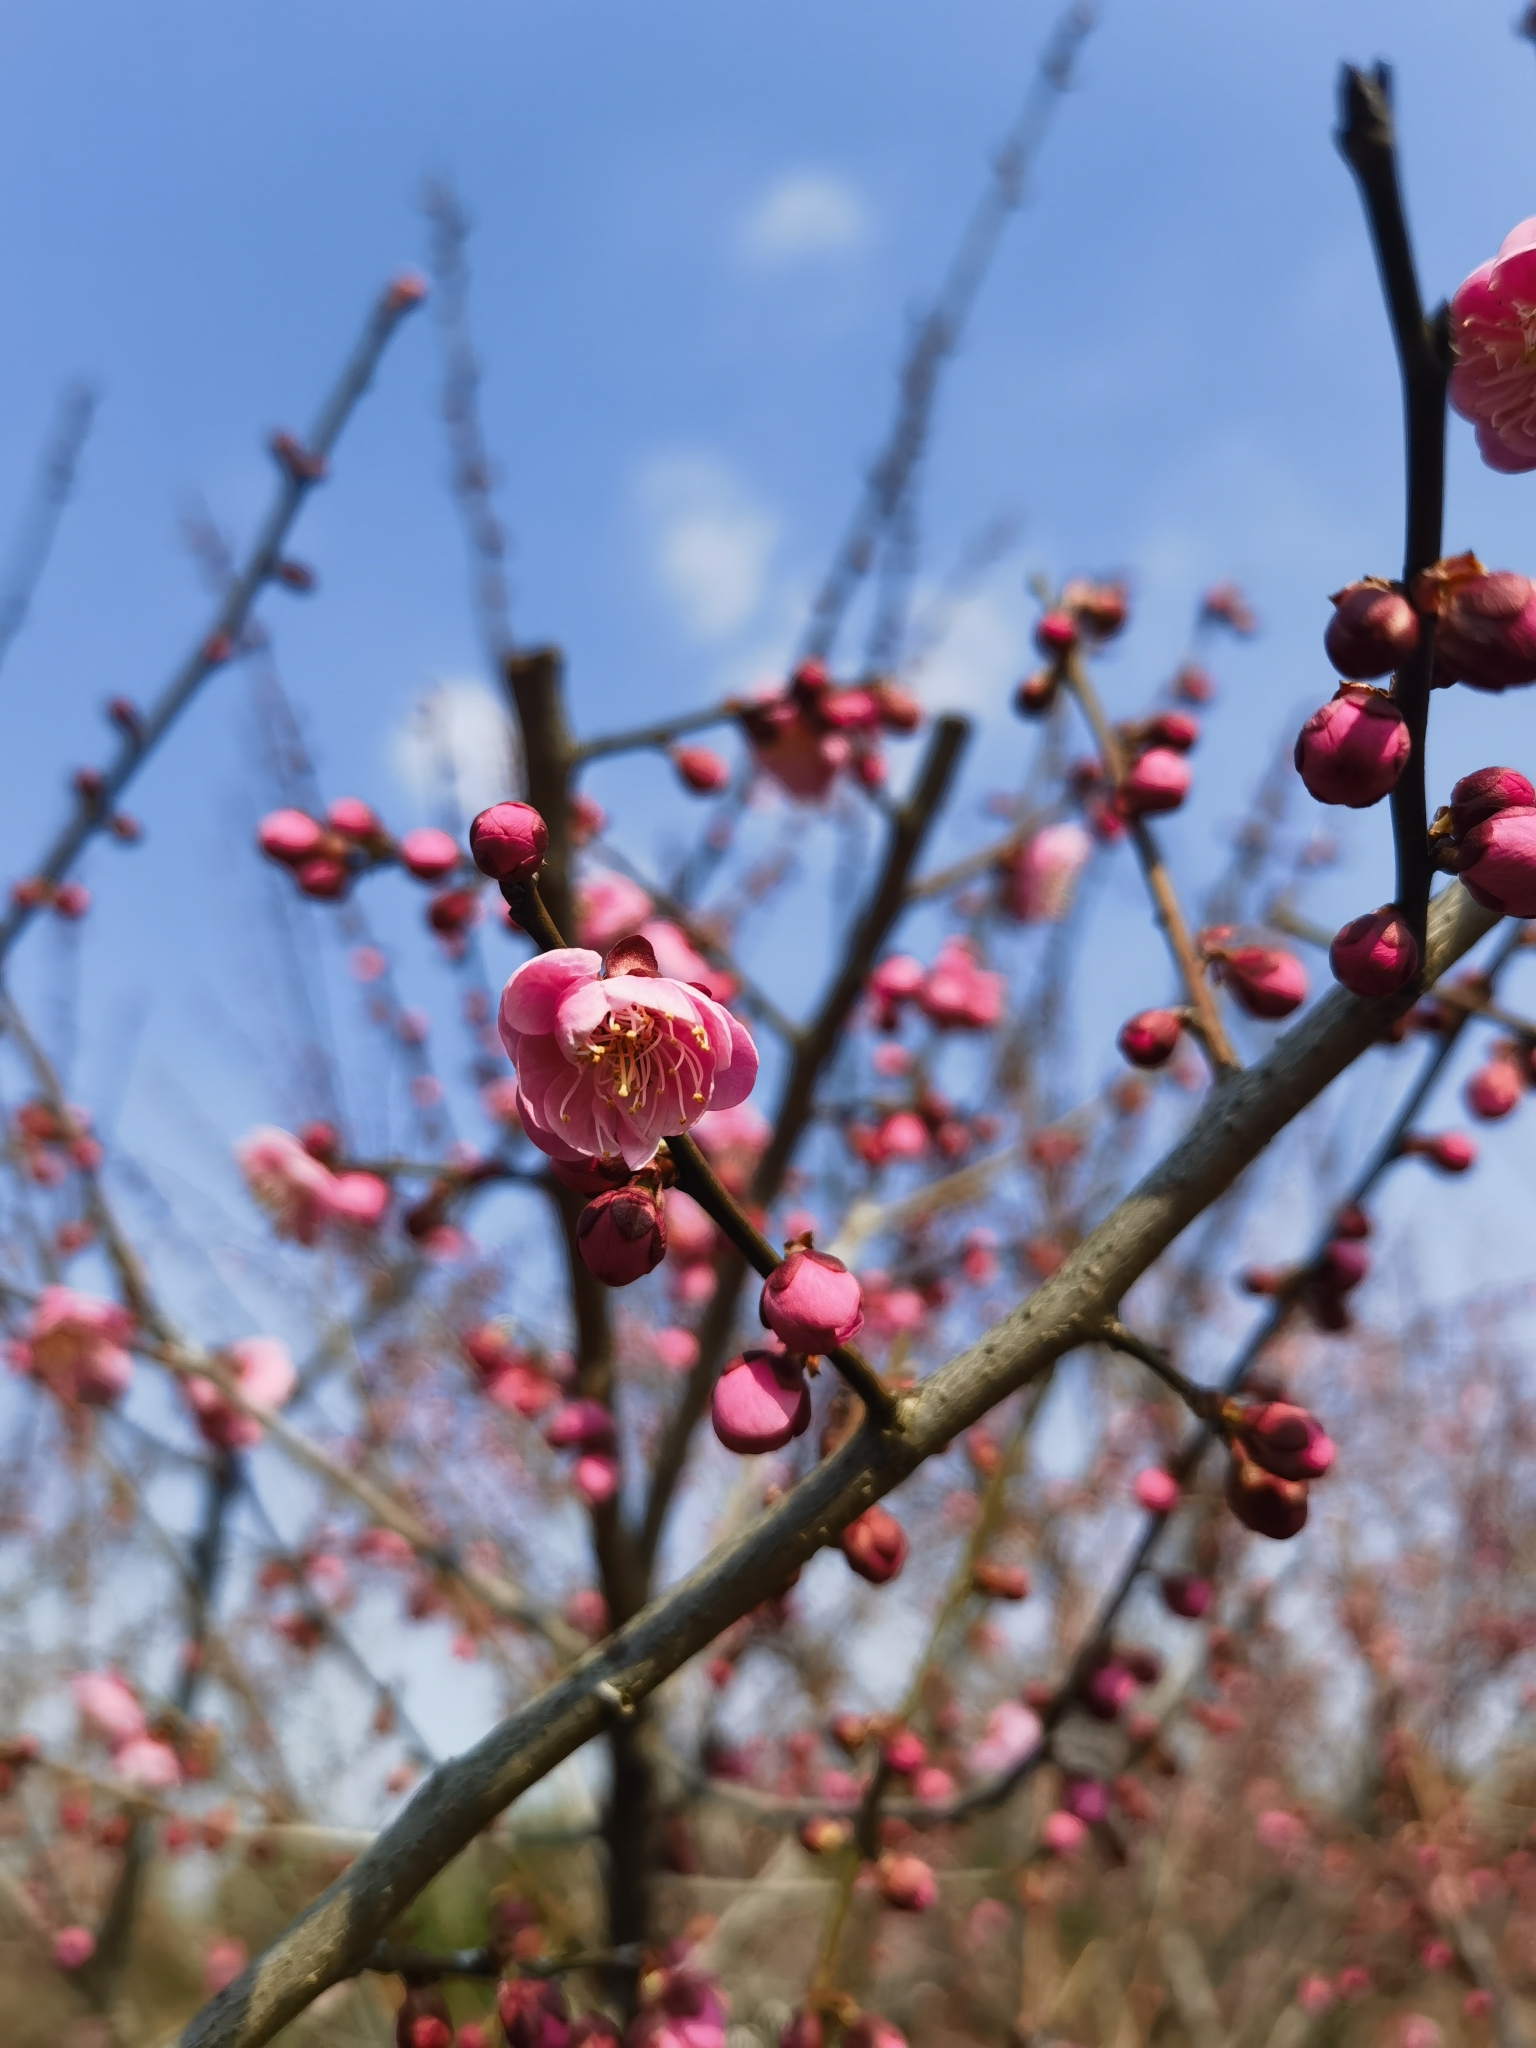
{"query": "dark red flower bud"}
pixel 1150 1038
pixel 1353 750
pixel 1186 1595
pixel 71 900
pixel 1352 1222
pixel 1284 1439
pixel 1191 685
pixel 291 837
pixel 1480 795
pixel 127 717
pixel 1107 1689
pixel 1174 729
pixel 1225 605
pixel 422 2020
pixel 508 842
pixel 321 1141
pixel 293 456
pixel 1496 862
pixel 803 2030
pixel 1056 633
pixel 1342 1264
pixel 899 710
pixel 128 830
pixel 1100 608
pixel 1035 695
pixel 1373 630
pixel 875 1545
pixel 295 576
pixel 534 2012
pixel 323 878
pixel 622 1235
pixel 405 291
pixel 1376 954
pixel 1271 1507
pixel 701 770
pixel 452 911
pixel 1486 631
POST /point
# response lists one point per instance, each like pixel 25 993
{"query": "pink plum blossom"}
pixel 811 1302
pixel 1493 333
pixel 263 1372
pixel 107 1706
pixel 609 1067
pixel 608 906
pixel 286 1181
pixel 147 1765
pixel 73 1344
pixel 1011 1732
pixel 1042 875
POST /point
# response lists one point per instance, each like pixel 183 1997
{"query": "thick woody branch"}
pixel 226 630
pixel 1206 1017
pixel 1368 144
pixel 334 1937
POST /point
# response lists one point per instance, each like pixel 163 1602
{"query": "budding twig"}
pixel 1206 1018
pixel 223 636
pixel 640 738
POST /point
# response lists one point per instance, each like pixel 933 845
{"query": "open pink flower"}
pixel 74 1344
pixel 108 1707
pixel 1040 878
pixel 147 1765
pixel 1493 331
pixel 263 1372
pixel 608 1068
pixel 608 906
pixel 958 995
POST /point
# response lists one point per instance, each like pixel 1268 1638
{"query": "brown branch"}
pixel 659 735
pixel 332 1939
pixel 909 830
pixel 1165 901
pixel 1368 144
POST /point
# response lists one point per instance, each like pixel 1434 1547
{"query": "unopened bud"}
pixel 295 576
pixel 1478 796
pixel 1156 1490
pixel 289 836
pixel 1107 1688
pixel 1354 748
pixel 452 912
pixel 875 1545
pixel 323 878
pixel 428 853
pixel 811 1302
pixel 1263 980
pixel 71 900
pixel 999 1581
pixel 622 1235
pixel 1450 1151
pixel 1485 635
pixel 1151 1037
pixel 1285 1440
pixel 906 1883
pixel 1495 1089
pixel 701 769
pixel 824 1835
pixel 1376 954
pixel 1496 862
pixel 1192 685
pixel 1185 1595
pixel 1268 1505
pixel 1174 729
pixel 1036 694
pixel 1373 630
pixel 760 1402
pixel 509 841
pixel 126 716
pixel 1056 633
pixel 293 456
pixel 1158 781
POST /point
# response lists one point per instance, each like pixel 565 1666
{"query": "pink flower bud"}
pixel 222 1963
pixel 1263 980
pixel 1373 630
pixel 583 1425
pixel 1495 1089
pixel 896 980
pixel 875 1545
pixel 1192 685
pixel 1341 1265
pixel 71 900
pixel 1063 1834
pixel 803 2030
pixel 906 1883
pixel 1101 609
pixel 1353 750
pixel 811 1302
pixel 1158 781
pixel 595 1477
pixel 1157 1490
pixel 1225 605
pixel 999 1581
pixel 1478 796
pixel 1151 1037
pixel 1376 954
pixel 904 1751
pixel 1486 632
pixel 354 819
pixel 903 1136
pixel 1450 1151
pixel 1107 1689
pixel 1056 633
pixel 422 2019
pixel 428 853
pixel 73 1947
pixel 1314 1995
pixel 1088 1798
pixel 1496 862
pixel 509 841
pixel 1036 694
pixel 1285 1440
pixel 701 770
pixel 760 1401
pixel 323 878
pixel 288 836
pixel 622 1235
pixel 1268 1505
pixel 1185 1595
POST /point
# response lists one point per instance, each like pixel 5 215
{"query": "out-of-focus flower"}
pixel 608 1067
pixel 1151 1037
pixel 906 1882
pixel 681 2008
pixel 73 1344
pixel 533 2013
pixel 1157 781
pixel 73 1948
pixel 701 769
pixel 108 1707
pixel 1493 333
pixel 1039 880
pixel 264 1373
pixel 957 994
pixel 607 908
pixel 1156 1490
pixel 1011 1732
pixel 294 1187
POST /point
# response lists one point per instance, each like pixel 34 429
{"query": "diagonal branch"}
pixel 332 1939
pixel 299 474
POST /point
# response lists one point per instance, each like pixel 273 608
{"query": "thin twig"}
pixel 40 521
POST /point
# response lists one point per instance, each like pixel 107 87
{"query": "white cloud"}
pixel 804 214
pixel 455 745
pixel 982 651
pixel 711 540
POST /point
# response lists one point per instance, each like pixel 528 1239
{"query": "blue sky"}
pixel 700 231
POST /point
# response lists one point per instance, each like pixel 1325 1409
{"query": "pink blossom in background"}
pixel 691 1235
pixel 286 1181
pixel 263 1372
pixel 733 1140
pixel 1280 1832
pixel 595 1477
pixel 680 960
pixel 358 1199
pixel 1011 1732
pixel 1042 876
pixel 73 1343
pixel 147 1765
pixel 107 1706
pixel 1493 333
pixel 608 1068
pixel 957 994
pixel 677 1350
pixel 73 1947
pixel 609 907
